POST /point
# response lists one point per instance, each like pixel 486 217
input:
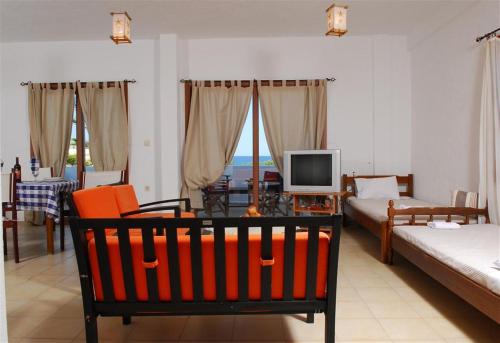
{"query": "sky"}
pixel 245 145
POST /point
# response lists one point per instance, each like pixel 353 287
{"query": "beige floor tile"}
pixel 259 328
pixel 58 328
pixel 392 309
pixel 347 294
pixel 298 330
pixel 20 327
pixel 157 328
pixel 209 328
pixel 378 294
pixel 409 329
pixel 34 340
pixel 110 329
pixel 38 308
pixel 353 309
pixel 359 329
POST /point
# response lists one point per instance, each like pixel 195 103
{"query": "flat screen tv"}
pixel 312 171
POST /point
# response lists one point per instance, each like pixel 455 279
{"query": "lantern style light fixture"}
pixel 336 20
pixel 121 27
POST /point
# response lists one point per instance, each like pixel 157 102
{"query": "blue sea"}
pixel 247 160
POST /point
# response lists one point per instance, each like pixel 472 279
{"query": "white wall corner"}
pixel 168 115
pixel 3 315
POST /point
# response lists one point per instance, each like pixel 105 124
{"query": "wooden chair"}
pixel 272 189
pixel 101 178
pixel 9 207
pixel 217 195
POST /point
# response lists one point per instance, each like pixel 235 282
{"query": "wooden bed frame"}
pixel 475 294
pixel 378 228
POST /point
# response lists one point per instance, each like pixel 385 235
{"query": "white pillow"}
pixel 377 188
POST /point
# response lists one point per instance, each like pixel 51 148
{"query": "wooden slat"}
pixel 266 254
pixel 196 262
pixel 173 264
pixel 289 263
pixel 126 260
pixel 243 263
pixel 255 144
pixel 312 262
pixel 220 262
pixel 104 267
pixel 150 256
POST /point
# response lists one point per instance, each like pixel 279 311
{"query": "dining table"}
pixel 46 196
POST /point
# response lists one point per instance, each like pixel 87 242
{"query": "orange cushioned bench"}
pixel 147 268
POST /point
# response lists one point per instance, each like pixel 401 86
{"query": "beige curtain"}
pixel 50 114
pixel 294 117
pixel 105 114
pixel 215 123
pixel 489 133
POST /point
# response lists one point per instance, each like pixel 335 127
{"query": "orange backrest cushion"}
pixel 126 198
pixel 98 202
pixel 208 266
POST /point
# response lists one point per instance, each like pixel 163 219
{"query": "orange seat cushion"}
pixel 208 258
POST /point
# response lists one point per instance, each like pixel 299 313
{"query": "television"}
pixel 315 171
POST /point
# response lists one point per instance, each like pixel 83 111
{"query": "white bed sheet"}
pixel 470 250
pixel 377 208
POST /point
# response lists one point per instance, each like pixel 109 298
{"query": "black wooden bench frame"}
pixel 199 306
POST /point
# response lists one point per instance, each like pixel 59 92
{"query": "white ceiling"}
pixel 43 20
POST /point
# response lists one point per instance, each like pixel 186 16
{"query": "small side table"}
pixel 333 197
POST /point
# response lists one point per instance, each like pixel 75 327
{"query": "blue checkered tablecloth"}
pixel 43 195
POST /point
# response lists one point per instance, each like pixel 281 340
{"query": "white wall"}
pixel 86 61
pixel 446 86
pixel 368 106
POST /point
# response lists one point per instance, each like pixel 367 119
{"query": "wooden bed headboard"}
pixel 405 181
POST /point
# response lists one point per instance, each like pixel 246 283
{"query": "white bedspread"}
pixel 470 250
pixel 377 208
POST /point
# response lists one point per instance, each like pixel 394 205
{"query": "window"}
pixel 79 159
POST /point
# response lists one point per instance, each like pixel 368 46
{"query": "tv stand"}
pixel 315 202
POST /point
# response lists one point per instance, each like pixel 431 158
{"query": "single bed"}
pixel 372 214
pixel 460 259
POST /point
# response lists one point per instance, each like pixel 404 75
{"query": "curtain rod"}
pixel 329 79
pixel 487 35
pixel 126 80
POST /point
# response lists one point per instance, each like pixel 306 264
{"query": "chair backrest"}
pixel 43 173
pixel 464 199
pixel 101 178
pixel 126 198
pixel 7 187
pixel 97 202
pixel 246 267
pixel 271 176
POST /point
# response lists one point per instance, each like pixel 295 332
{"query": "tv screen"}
pixel 311 170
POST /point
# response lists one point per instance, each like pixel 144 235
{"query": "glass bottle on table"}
pixel 17 170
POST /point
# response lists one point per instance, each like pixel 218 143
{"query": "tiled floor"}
pixel 376 303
